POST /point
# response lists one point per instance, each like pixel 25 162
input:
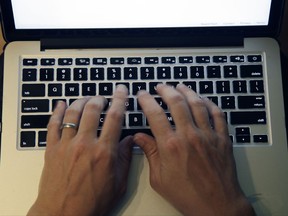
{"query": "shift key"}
pixel 34 121
pixel 243 118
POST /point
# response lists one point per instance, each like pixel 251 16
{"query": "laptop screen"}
pixel 93 14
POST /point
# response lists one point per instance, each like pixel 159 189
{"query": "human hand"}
pixel 192 166
pixel 84 174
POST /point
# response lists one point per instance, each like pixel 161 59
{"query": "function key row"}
pixel 145 60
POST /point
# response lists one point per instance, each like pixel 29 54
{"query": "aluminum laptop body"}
pixel 262 166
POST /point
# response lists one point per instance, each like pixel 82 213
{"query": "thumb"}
pixel 149 147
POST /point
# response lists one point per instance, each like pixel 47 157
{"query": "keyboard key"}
pixel 213 72
pixel 185 59
pixel 33 90
pixel 27 139
pixel 168 60
pixel 242 118
pixel 46 74
pixel 134 60
pixel 237 58
pixel 206 87
pixel 29 74
pixel 63 74
pixel 147 73
pixel 105 89
pixel 197 72
pixel 243 131
pixel 137 86
pixel 97 73
pixel 80 74
pixel 223 87
pixel 191 85
pixel 256 86
pixel 88 89
pixel 99 61
pixel 228 102
pixel 48 61
pixel 180 73
pixel 243 138
pixel 260 138
pixel 251 71
pixel 135 119
pixel 230 72
pixel 34 121
pixel 130 73
pixel 114 73
pixel 151 60
pixel 37 105
pixel 163 72
pixel 251 102
pixel 117 61
pixel 65 61
pixel 220 59
pixel 254 58
pixel 30 62
pixel 55 90
pixel 203 59
pixel 82 61
pixel 71 89
pixel 240 86
pixel 42 138
pixel 153 87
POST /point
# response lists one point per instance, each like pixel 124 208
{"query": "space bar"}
pixel 132 132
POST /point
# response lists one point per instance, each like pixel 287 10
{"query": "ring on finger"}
pixel 69 125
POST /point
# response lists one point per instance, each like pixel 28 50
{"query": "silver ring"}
pixel 68 125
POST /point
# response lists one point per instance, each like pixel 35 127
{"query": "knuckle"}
pixel 115 114
pixel 197 102
pixel 92 106
pixel 71 111
pixel 177 98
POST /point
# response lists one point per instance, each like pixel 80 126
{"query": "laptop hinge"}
pixel 140 42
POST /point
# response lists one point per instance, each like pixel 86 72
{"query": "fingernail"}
pixel 121 87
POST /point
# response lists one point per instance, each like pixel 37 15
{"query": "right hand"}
pixel 191 166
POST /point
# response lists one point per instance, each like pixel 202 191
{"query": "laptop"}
pixel 223 49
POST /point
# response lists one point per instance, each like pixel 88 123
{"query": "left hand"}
pixel 84 174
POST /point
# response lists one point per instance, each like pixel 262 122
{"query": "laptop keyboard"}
pixel 235 82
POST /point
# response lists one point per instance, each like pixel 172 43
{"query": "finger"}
pixel 123 162
pixel 113 122
pixel 55 122
pixel 91 115
pixel 72 115
pixel 217 117
pixel 149 147
pixel 177 104
pixel 197 106
pixel 155 115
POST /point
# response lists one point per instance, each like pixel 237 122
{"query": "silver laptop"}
pixel 222 49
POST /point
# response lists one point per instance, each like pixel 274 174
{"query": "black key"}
pixel 97 73
pixel 46 74
pixel 237 58
pixel 137 86
pixel 256 86
pixel 170 119
pixel 29 106
pixel 34 121
pixel 180 73
pixel 134 60
pixel 99 61
pixel 63 74
pixel 243 131
pixel 240 86
pixel 163 72
pixel 147 73
pixel 65 61
pixel 228 102
pixel 48 61
pixel 114 73
pixel 131 132
pixel 33 90
pixel 151 60
pixel 254 58
pixel 185 59
pixel 54 103
pixel 260 138
pixel 213 72
pixel 203 59
pixel 197 72
pixel 135 119
pixel 27 139
pixel 30 62
pixel 42 138
pixel 29 74
pixel 80 74
pixel 243 138
pixel 220 59
pixel 223 87
pixel 55 90
pixel 240 118
pixel 105 89
pixel 251 71
pixel 71 89
pixel 214 99
pixel 168 60
pixel 250 102
pixel 191 85
pixel 162 104
pixel 206 87
pixel 153 87
pixel 230 72
pixel 130 73
pixel 88 89
pixel 117 60
pixel 82 61
pixel 129 104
